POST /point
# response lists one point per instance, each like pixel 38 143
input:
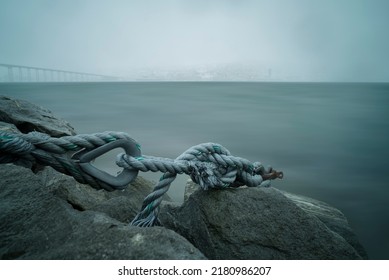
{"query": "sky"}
pixel 313 40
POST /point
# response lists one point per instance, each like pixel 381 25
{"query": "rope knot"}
pixel 209 176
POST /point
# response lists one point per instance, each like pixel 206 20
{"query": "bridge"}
pixel 11 73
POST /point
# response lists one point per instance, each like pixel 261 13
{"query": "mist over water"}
pixel 300 40
pixel 330 139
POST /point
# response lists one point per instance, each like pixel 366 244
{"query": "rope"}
pixel 40 148
pixel 209 164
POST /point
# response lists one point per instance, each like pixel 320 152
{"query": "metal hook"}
pixel 84 157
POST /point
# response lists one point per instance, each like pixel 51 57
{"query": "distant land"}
pixel 227 72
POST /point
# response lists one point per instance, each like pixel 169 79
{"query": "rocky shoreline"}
pixel 47 215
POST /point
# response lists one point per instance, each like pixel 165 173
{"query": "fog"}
pixel 334 40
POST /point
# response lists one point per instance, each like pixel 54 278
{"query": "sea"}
pixel 331 140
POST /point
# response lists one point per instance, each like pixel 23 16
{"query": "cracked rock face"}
pixel 261 223
pixel 40 218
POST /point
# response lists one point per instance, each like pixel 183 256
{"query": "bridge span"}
pixel 12 73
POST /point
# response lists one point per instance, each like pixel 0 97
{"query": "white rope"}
pixel 209 164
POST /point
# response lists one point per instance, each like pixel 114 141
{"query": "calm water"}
pixel 331 140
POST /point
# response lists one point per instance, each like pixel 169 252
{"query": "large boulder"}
pixel 30 117
pixel 44 217
pixel 261 223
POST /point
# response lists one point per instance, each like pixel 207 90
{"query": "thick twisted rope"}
pixel 209 164
pixel 40 148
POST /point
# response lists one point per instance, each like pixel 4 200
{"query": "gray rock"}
pixel 39 220
pixel 30 117
pixel 122 205
pixel 190 188
pixel 331 217
pixel 258 223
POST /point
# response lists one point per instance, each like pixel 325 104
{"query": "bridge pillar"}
pixel 10 74
pixel 20 74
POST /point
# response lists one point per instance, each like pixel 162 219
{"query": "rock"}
pixel 331 217
pixel 190 188
pixel 42 217
pixel 122 205
pixel 261 223
pixel 29 117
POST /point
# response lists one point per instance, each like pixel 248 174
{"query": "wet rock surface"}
pixel 29 117
pixel 262 223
